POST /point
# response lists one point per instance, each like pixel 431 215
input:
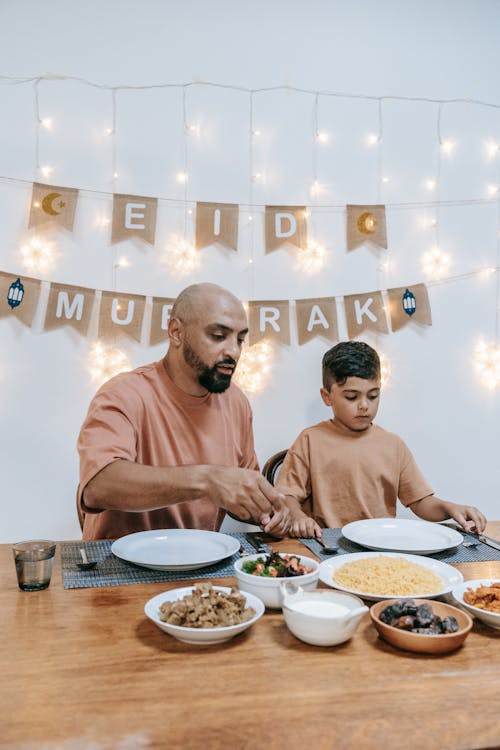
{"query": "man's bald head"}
pixel 198 298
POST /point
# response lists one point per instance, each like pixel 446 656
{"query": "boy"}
pixel 347 469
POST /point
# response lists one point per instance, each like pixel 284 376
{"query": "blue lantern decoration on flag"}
pixel 15 294
pixel 409 302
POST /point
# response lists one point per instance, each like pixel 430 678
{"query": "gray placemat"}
pixel 460 554
pixel 112 571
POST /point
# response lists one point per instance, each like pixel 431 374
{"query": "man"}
pixel 170 444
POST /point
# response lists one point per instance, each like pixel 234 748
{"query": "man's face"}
pixel 212 343
pixel 355 403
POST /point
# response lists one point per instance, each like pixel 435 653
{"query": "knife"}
pixel 489 541
pixel 256 542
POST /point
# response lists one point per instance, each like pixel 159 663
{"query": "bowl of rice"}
pixel 389 575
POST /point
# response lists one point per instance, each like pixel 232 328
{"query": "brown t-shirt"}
pixel 142 416
pixel 340 476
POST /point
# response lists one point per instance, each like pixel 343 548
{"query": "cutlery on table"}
pixel 257 543
pixel 85 564
pixel 328 549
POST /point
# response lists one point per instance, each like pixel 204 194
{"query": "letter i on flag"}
pixel 217 224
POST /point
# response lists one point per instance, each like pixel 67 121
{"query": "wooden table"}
pixel 84 668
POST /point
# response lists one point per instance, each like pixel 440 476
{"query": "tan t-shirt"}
pixel 340 476
pixel 142 416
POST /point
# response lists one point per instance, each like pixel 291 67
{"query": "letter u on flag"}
pixel 365 312
pixel 269 320
pixel 53 205
pixel 133 216
pixel 121 313
pixel 365 224
pixel 217 223
pixel 285 225
pixel 409 304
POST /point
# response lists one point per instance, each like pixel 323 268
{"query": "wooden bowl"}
pixel 426 644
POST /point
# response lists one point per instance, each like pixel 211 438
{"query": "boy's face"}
pixel 355 403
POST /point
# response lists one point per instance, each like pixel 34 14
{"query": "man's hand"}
pixel 245 493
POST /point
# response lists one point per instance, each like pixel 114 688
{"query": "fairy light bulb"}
pixel 492 148
pixel 385 370
pixel 256 133
pixel 372 139
pixel 105 361
pixel 38 255
pixel 448 146
pixel 123 262
pixel 311 259
pixel 430 184
pixel 182 177
pixel 492 190
pixel 486 362
pixel 193 130
pixel 46 170
pixel 109 131
pixel 485 273
pixel 46 123
pixel 180 256
pixel 254 367
pixel 322 136
pixel 315 189
pixel 436 263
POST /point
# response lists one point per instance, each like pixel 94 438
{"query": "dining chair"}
pixel 273 465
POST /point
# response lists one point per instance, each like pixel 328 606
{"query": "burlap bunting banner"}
pixel 162 307
pixel 69 306
pixel 133 216
pixel 121 313
pixel 365 312
pixel 269 320
pixel 216 223
pixel 52 205
pixel 316 318
pixel 409 305
pixel 19 297
pixel 285 225
pixel 365 224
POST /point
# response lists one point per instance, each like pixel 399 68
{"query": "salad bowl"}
pixel 265 582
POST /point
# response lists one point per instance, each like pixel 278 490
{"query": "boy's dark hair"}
pixel 350 359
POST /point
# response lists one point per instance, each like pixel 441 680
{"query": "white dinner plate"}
pixel 449 575
pixel 402 535
pixel 175 549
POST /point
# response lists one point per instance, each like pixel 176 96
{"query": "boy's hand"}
pixel 302 525
pixel 469 517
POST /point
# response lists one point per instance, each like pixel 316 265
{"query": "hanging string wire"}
pixel 185 162
pixel 497 281
pixel 437 215
pixel 114 178
pixel 251 205
pixel 37 127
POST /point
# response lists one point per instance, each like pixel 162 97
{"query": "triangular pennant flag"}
pixel 121 313
pixel 69 306
pixel 316 318
pixel 162 307
pixel 409 304
pixel 53 205
pixel 365 312
pixel 285 225
pixel 269 320
pixel 133 216
pixel 216 223
pixel 366 224
pixel 19 297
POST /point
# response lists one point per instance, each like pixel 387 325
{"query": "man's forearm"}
pixel 124 485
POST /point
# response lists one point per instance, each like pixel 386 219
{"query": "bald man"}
pixel 170 444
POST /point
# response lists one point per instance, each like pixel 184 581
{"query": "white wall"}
pixel 433 49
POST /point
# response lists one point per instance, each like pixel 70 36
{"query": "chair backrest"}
pixel 79 511
pixel 272 466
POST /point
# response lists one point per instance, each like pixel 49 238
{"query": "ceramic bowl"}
pixel 322 617
pixel 426 644
pixel 268 589
pixel 200 636
pixel 489 618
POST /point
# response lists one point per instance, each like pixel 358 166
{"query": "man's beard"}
pixel 209 377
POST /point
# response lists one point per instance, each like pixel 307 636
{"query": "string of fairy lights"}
pixel 181 258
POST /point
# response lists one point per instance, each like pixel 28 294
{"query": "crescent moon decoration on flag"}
pixel 367 223
pixel 47 204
